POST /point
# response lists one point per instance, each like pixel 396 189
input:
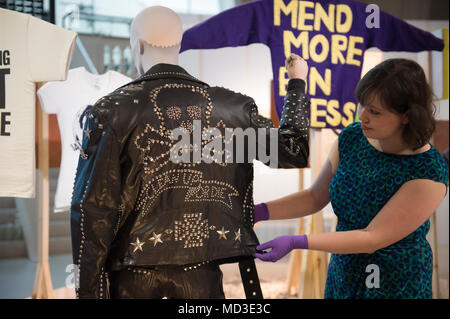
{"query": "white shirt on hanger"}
pixel 68 99
pixel 31 50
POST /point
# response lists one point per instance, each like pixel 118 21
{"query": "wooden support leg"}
pixel 313 283
pixel 307 274
pixel 37 291
pixel 43 283
pixel 435 283
pixel 295 262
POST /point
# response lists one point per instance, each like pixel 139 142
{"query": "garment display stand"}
pixel 42 282
pixel 436 285
pixel 434 247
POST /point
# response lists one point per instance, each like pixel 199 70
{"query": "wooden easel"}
pixel 434 247
pixel 42 282
pixel 295 260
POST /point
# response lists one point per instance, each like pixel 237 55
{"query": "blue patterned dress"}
pixel 364 182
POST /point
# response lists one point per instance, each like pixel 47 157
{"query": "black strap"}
pixel 250 279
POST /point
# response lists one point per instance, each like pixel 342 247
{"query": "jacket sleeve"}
pixel 95 204
pixel 394 34
pixel 293 132
pixel 240 25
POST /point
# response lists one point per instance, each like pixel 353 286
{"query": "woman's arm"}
pixel 311 200
pixel 406 211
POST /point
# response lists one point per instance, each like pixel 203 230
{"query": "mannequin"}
pixel 155 37
pixel 144 226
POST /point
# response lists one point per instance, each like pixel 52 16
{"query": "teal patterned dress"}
pixel 364 182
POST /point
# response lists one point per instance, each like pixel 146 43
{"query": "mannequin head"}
pixel 155 37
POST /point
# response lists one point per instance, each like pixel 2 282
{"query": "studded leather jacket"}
pixel 133 205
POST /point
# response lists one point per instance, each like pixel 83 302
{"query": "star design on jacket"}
pixel 137 245
pixel 88 133
pixel 156 239
pixel 222 233
pixel 238 235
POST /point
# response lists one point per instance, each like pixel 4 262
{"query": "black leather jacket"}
pixel 133 206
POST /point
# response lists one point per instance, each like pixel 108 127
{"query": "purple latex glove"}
pixel 261 212
pixel 281 246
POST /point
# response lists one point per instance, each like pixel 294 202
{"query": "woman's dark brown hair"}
pixel 402 88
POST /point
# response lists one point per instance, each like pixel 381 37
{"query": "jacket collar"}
pixel 166 71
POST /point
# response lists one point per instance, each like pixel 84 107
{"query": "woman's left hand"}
pixel 281 246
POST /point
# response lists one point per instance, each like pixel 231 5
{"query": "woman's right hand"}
pixel 297 67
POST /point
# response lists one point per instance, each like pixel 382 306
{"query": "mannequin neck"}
pixel 155 55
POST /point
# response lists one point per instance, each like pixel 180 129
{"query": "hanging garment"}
pixel 31 50
pixel 68 99
pixel 331 35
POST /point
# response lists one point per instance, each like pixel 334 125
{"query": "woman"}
pixel 384 180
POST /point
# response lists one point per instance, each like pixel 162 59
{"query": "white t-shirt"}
pixel 31 50
pixel 68 99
